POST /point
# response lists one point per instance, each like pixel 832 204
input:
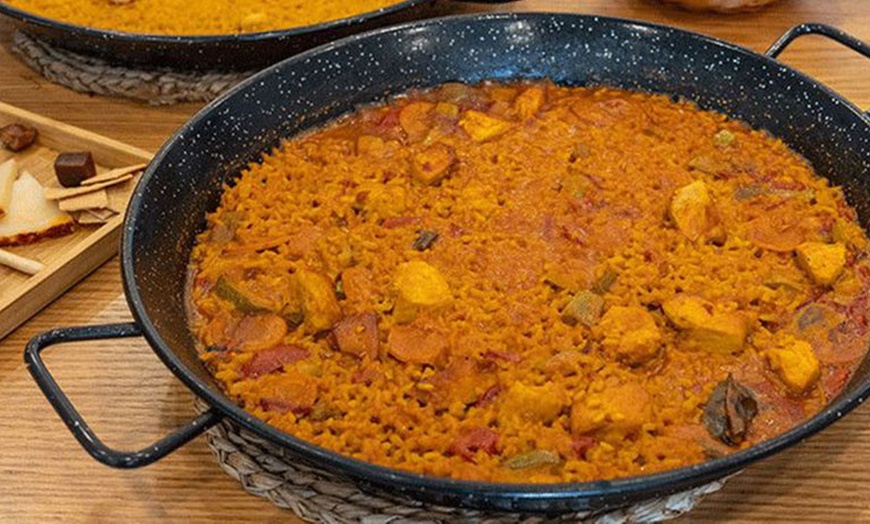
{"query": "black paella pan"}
pixel 236 52
pixel 185 178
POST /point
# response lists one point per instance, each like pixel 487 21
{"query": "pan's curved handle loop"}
pixel 827 31
pixel 75 422
pixel 817 29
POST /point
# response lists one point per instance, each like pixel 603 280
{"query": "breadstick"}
pixel 25 265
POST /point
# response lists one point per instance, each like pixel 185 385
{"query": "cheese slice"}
pixel 8 174
pixel 30 216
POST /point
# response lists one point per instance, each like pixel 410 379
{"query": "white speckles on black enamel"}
pixel 185 180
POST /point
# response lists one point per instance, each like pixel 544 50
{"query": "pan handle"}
pixel 77 424
pixel 817 29
pixel 827 31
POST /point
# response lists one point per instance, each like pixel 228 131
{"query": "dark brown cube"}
pixel 72 168
pixel 16 137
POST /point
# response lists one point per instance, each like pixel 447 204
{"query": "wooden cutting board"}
pixel 70 258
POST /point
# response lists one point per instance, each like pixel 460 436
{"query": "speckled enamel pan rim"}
pixel 124 36
pixel 469 493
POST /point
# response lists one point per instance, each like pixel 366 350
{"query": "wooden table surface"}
pixel 131 398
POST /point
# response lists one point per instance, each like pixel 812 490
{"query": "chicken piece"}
pixel 630 334
pixel 482 127
pixel 795 362
pixel 539 404
pixel 724 333
pixel 358 287
pixel 463 380
pixel 384 200
pixel 693 211
pixel 317 297
pixel 433 164
pixel 687 312
pixel 357 335
pixel 416 345
pixel 823 262
pixel 418 286
pixel 585 308
pixel 258 332
pixel 705 329
pixel 529 102
pixel 415 120
pixel 612 412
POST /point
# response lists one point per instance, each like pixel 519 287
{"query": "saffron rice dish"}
pixel 196 17
pixel 525 282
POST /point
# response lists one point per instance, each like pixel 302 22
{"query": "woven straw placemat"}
pixel 268 471
pixel 87 74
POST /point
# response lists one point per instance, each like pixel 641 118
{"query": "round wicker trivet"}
pixel 86 74
pixel 266 470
